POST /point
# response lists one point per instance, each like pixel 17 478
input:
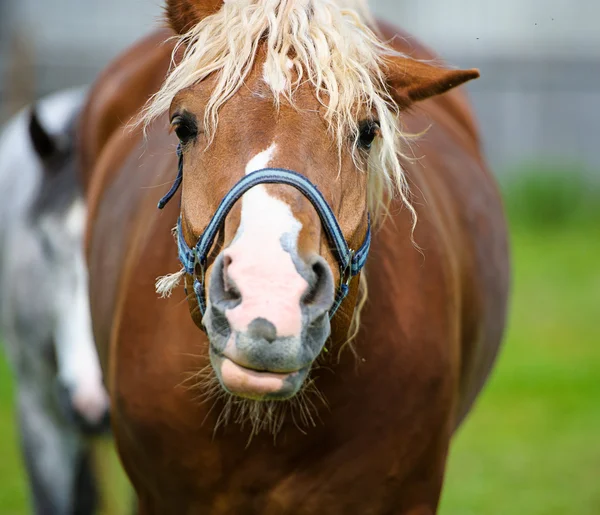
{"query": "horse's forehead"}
pixel 253 107
pixel 260 87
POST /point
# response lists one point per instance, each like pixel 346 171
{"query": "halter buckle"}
pixel 346 272
pixel 202 264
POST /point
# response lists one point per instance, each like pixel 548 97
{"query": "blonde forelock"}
pixel 328 43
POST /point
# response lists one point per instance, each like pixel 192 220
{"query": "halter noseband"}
pixel 350 262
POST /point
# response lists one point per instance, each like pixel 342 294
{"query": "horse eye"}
pixel 367 132
pixel 185 128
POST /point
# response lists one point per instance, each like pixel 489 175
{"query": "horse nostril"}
pixel 229 288
pixel 223 292
pixel 320 291
pixel 261 328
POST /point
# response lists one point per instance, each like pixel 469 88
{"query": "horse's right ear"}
pixel 183 15
pixel 411 81
pixel 43 143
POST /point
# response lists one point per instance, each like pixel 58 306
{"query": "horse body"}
pixel 428 336
pixel 44 307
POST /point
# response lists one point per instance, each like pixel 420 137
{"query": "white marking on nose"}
pixel 260 267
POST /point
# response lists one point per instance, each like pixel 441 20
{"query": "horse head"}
pixel 271 89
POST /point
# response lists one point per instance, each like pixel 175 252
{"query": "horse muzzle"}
pixel 264 340
pixel 262 346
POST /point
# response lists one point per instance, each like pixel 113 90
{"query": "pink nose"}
pixel 273 300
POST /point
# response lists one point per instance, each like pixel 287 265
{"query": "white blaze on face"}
pixel 260 267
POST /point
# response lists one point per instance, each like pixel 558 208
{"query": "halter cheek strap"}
pixel 350 262
pixel 169 195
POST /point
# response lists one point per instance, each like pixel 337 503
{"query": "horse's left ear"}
pixel 183 15
pixel 411 81
pixel 42 141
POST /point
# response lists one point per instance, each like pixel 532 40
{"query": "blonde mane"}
pixel 328 43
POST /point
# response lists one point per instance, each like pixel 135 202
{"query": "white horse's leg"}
pixel 53 449
pixel 55 454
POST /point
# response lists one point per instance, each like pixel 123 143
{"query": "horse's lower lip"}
pixel 246 382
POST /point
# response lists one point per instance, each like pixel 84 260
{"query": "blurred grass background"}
pixel 532 443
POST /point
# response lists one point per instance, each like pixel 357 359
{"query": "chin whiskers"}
pixel 255 416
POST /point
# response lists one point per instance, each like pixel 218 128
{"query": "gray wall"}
pixel 538 98
pixel 560 28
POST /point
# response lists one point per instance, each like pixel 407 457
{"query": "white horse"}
pixel 44 307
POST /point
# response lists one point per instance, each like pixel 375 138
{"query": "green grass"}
pixel 13 496
pixel 532 444
pixel 544 197
pixel 13 487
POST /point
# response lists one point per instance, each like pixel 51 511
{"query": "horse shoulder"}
pixel 461 211
pixel 120 92
pixel 105 147
pixel 114 100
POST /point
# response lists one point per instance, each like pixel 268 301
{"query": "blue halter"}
pixel 350 262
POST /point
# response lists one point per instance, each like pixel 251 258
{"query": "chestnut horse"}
pixel 291 121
